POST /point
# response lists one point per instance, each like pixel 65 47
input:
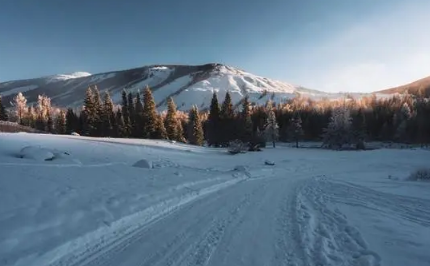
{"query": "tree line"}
pixel 401 118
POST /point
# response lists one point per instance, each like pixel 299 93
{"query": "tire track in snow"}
pixel 129 229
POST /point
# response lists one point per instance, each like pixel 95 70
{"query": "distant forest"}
pixel 400 118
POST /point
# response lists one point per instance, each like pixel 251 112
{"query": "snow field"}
pixel 202 206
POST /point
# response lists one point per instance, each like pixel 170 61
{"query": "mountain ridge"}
pixel 187 84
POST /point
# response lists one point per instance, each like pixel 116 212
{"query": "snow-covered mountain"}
pixel 188 85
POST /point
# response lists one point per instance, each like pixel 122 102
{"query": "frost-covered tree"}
pixel 403 120
pixel 20 104
pixel 3 113
pixel 295 130
pixel 338 131
pixel 271 127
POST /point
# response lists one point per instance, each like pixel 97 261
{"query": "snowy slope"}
pixel 188 85
pixel 314 207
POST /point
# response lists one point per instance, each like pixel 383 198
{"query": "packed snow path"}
pixel 261 221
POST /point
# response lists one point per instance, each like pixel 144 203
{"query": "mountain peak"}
pixel 188 85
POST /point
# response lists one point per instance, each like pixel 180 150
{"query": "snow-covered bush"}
pixel 236 146
pixel 422 174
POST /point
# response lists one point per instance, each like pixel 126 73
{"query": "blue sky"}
pixel 331 45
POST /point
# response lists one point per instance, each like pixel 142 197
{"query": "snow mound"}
pixel 269 162
pixel 143 164
pixel 37 153
pixel 42 154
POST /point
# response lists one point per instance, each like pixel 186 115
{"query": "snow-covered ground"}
pixel 88 205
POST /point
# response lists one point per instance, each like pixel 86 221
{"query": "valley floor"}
pixel 90 206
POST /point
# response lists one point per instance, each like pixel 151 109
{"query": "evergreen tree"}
pixel 246 121
pixel 180 132
pixel 121 130
pixel 227 127
pixel 131 112
pixel 171 122
pixel 88 115
pixel 404 118
pixel 108 116
pixel 359 128
pixel 3 113
pixel 98 123
pixel 160 129
pixel 195 129
pixel 338 131
pixel 295 130
pixel 72 121
pixel 213 129
pixel 150 116
pixel 60 123
pixel 271 128
pixel 50 124
pixel 138 118
pixel 126 129
pixel 40 123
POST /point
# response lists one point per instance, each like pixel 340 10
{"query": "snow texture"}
pixel 90 206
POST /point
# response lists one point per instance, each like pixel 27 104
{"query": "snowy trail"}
pixel 263 221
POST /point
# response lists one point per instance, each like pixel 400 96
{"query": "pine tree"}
pixel 227 111
pixel 50 124
pixel 60 123
pixel 338 131
pixel 227 120
pixel 20 104
pixel 171 122
pixel 131 112
pixel 246 121
pixel 195 129
pixel 138 118
pixel 160 129
pixel 72 121
pixel 295 130
pixel 121 130
pixel 271 127
pixel 40 123
pixel 88 114
pixel 108 116
pixel 149 114
pixel 126 129
pixel 359 128
pixel 98 106
pixel 213 129
pixel 404 117
pixel 3 113
pixel 180 132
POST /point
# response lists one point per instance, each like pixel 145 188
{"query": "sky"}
pixel 330 45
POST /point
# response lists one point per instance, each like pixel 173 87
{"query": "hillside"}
pixel 188 85
pixel 416 87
